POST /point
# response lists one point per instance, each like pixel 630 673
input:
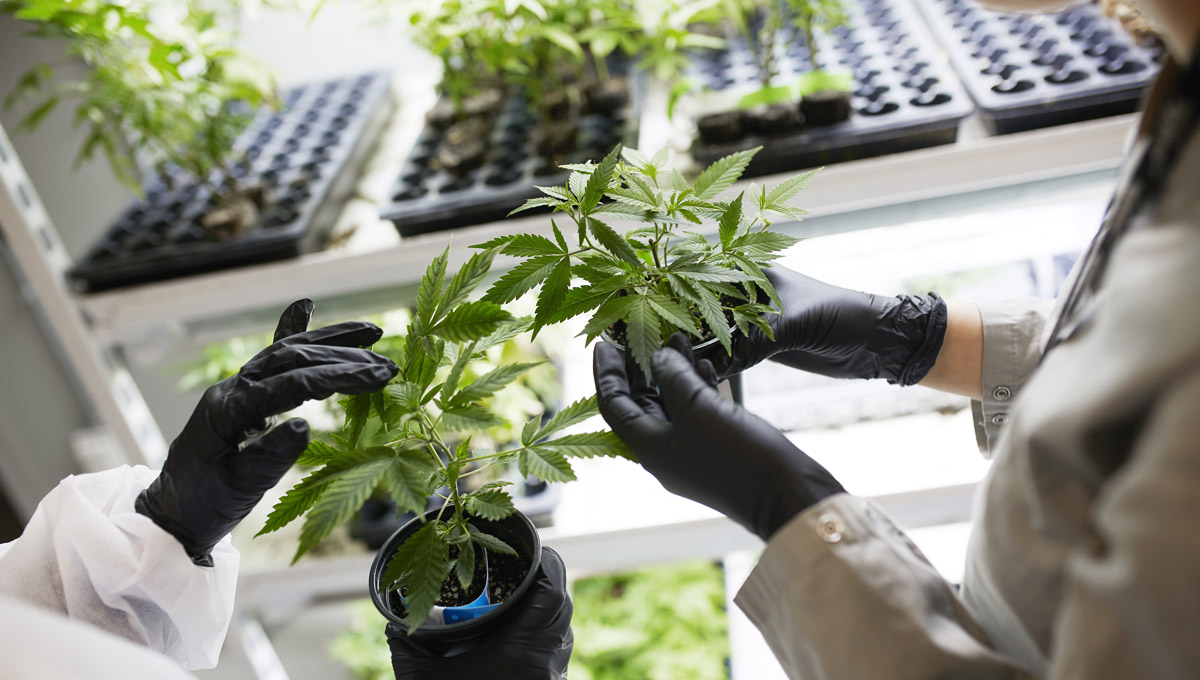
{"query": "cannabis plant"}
pixel 414 439
pixel 163 84
pixel 661 276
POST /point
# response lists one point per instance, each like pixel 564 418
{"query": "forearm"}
pixel 959 365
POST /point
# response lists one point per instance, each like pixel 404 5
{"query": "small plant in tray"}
pixel 164 85
pixel 414 439
pixel 661 276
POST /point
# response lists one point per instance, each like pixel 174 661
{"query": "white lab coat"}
pixel 89 576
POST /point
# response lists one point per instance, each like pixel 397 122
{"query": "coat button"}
pixel 829 528
pixel 999 419
pixel 1001 393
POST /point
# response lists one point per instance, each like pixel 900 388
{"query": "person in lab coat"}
pixel 130 573
pixel 1084 560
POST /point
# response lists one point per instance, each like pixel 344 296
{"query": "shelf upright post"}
pixel 38 253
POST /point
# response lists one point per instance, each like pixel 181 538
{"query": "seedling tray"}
pixel 305 156
pixel 1032 71
pixel 426 199
pixel 903 96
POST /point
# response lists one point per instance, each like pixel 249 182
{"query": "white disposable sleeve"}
pixel 87 554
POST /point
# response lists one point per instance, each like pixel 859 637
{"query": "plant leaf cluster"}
pixel 661 276
pixel 413 439
pixel 163 83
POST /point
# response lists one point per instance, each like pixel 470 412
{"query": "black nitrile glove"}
pixel 843 333
pixel 216 470
pixel 534 642
pixel 703 447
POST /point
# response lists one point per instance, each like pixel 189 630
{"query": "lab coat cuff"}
pixel 1012 348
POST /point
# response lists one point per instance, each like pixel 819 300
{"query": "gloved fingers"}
pixel 294 319
pixel 547 608
pixel 284 392
pixel 704 368
pixel 683 391
pixel 622 413
pixel 643 391
pixel 262 463
pixel 680 343
pixel 344 334
pixel 304 356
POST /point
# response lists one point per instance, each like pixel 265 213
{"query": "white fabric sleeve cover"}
pixel 1012 347
pixel 86 553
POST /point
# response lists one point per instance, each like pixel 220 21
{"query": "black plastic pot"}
pixel 450 639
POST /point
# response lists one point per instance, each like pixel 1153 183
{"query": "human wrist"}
pixel 923 326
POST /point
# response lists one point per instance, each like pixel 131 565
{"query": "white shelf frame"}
pixel 155 311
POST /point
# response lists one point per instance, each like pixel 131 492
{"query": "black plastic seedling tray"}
pixel 1032 71
pixel 426 198
pixel 903 96
pixel 305 156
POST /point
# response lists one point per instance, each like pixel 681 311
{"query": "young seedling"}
pixel 659 277
pixel 413 439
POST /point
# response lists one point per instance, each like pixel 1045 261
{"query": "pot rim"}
pixel 384 554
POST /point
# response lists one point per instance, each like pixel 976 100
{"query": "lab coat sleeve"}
pixel 87 554
pixel 841 593
pixel 1012 347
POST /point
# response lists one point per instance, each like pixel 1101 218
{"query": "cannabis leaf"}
pixel 722 174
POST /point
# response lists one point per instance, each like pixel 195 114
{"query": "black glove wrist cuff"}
pixel 926 353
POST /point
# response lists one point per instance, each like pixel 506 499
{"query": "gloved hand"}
pixel 703 447
pixel 216 470
pixel 843 333
pixel 533 643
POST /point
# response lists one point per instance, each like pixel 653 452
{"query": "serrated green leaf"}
pixel 788 188
pixel 722 174
pixel 467 279
pixel 469 418
pixel 490 504
pixel 429 292
pixel 589 445
pixel 763 244
pixel 572 414
pixel 464 564
pixel 731 219
pixel 673 313
pixel 545 464
pixel 643 332
pixel 529 432
pixel 555 192
pixel 709 305
pixel 418 568
pixel 295 502
pixel 552 295
pixel 496 243
pixel 507 331
pixel 317 453
pixel 558 237
pixel 620 210
pixel 409 485
pixel 358 410
pixel 521 279
pixel 576 182
pixel 607 314
pixel 598 181
pixel 531 245
pixel 488 541
pixel 471 321
pixel 489 383
pixel 579 300
pixel 703 271
pixel 339 501
pixel 678 183
pixel 788 211
pixel 450 386
pixel 631 197
pixel 611 241
pixel 539 202
pixel 637 158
